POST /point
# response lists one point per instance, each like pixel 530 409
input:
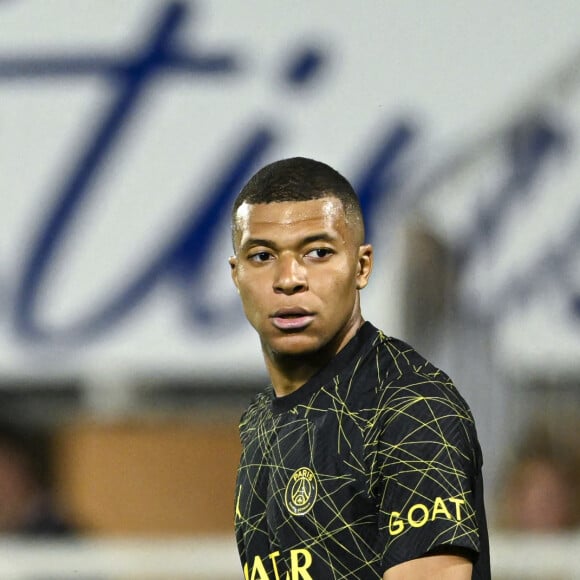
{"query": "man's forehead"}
pixel 327 210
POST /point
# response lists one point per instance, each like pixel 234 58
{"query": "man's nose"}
pixel 290 275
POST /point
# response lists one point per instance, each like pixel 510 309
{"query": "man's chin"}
pixel 294 345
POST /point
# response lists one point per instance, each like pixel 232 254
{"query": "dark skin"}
pixel 299 267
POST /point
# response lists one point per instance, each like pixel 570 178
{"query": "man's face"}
pixel 298 268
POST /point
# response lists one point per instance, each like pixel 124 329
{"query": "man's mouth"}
pixel 292 318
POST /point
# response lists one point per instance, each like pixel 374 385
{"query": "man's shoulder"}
pixel 400 368
pixel 259 406
pixel 395 358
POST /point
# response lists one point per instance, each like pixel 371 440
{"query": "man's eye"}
pixel 260 257
pixel 319 253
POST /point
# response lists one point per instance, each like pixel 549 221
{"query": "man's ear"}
pixel 233 261
pixel 364 266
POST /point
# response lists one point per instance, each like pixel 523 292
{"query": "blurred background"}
pixel 127 127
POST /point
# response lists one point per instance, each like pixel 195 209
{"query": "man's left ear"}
pixel 365 265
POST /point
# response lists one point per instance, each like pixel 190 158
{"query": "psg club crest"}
pixel 301 492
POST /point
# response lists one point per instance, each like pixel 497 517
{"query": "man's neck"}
pixel 289 372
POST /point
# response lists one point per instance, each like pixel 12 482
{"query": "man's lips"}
pixel 292 318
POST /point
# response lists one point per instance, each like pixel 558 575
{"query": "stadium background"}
pixel 126 129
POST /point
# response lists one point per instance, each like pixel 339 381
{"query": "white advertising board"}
pixel 128 127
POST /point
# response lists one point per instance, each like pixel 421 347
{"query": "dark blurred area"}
pixel 540 487
pixel 28 507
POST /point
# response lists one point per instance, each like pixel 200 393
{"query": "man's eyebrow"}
pixel 253 242
pixel 318 237
pixel 321 237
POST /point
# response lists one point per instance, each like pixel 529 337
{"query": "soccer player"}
pixel 361 460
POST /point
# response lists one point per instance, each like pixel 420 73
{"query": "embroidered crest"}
pixel 301 491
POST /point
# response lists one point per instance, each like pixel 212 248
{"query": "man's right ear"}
pixel 233 261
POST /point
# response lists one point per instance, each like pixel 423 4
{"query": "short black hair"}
pixel 299 179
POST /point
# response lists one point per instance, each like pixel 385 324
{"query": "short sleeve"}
pixel 426 465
